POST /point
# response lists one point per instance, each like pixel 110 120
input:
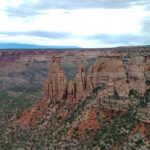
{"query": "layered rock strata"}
pixel 136 74
pixel 108 71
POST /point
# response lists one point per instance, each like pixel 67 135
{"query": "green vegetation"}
pixel 79 108
pixel 134 94
pixel 115 96
pixel 147 82
pixel 117 132
pixel 114 133
pixel 145 99
pixel 13 101
pixel 26 88
pixel 4 96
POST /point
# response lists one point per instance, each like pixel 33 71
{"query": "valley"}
pixel 90 99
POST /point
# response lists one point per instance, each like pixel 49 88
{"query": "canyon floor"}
pixel 90 99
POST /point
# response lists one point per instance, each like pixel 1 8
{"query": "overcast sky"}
pixel 83 23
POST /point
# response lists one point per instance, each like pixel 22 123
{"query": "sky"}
pixel 82 23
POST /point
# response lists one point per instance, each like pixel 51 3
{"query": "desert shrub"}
pixel 133 94
pixel 147 82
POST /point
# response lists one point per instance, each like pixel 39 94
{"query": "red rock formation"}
pixel 108 71
pixel 31 115
pixel 80 82
pixel 136 74
pixel 54 90
pixel 56 85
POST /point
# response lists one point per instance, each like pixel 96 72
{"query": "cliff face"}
pixel 147 69
pixel 119 76
pixel 108 71
pixel 136 74
pixel 111 72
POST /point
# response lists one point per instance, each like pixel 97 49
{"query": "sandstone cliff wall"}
pixel 114 73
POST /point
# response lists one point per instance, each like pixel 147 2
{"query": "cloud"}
pixel 145 29
pixel 142 38
pixel 43 34
pixel 67 4
pixel 120 39
pixel 92 23
pixel 28 8
pixel 25 9
pixel 54 35
pixel 21 12
pixel 146 25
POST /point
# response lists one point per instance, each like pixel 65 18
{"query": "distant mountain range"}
pixel 19 46
pixel 31 46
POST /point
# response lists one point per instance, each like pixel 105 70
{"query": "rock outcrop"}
pixel 55 86
pixel 109 72
pixel 80 82
pixel 136 76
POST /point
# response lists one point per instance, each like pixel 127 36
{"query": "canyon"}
pixel 104 103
